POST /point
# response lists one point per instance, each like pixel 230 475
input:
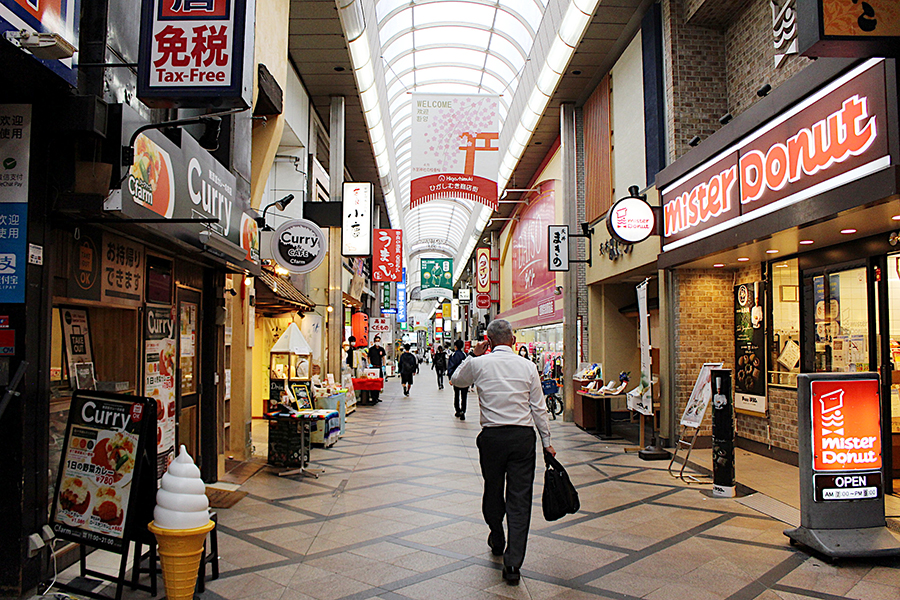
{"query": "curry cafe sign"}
pixel 169 182
pixel 831 138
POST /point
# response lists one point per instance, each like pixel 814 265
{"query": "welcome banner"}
pixel 455 152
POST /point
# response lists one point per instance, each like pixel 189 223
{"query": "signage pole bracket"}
pixel 588 233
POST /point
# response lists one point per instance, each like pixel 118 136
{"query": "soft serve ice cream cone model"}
pixel 180 524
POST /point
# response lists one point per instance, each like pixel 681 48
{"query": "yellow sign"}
pixel 448 309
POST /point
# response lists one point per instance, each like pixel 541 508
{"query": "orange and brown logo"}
pixel 151 182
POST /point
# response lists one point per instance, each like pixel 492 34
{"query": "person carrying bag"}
pixel 560 497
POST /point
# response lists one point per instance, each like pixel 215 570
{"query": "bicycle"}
pixel 551 392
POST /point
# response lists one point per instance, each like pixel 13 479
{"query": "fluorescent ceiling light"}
pixel 573 25
pixel 547 80
pixel 365 76
pixel 359 51
pixel 559 55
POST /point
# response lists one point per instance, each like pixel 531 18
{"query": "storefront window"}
pixel 784 363
pixel 841 333
pixel 544 344
pixel 893 274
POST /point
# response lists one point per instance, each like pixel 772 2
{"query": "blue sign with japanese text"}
pixel 13 251
pixel 401 299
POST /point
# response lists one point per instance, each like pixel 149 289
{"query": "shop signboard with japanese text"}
pixel 192 54
pixel 387 255
pixel 455 151
pixel 356 232
pixel 437 278
pixel 61 17
pixel 159 379
pixel 750 348
pixel 483 270
pixel 15 158
pixel 76 340
pixel 122 272
pixel 100 475
pixel 184 183
pixel 786 160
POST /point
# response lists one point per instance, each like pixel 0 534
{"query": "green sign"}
pixel 385 295
pixel 437 278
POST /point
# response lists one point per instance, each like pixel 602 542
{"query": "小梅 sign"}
pixel 833 137
pixel 356 232
pixel 193 54
pixel 299 246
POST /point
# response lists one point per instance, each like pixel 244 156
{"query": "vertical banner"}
pixel 159 379
pixel 387 255
pixel 454 148
pixel 192 51
pixel 356 233
pixel 483 270
pixel 643 403
pixel 401 299
pixel 532 279
pixel 437 278
pixel 446 310
pixel 122 271
pixel 15 150
pixel 558 247
pixel 750 348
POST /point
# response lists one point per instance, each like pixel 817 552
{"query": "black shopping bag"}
pixel 560 496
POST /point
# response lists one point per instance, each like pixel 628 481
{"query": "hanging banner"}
pixel 454 148
pixel 642 402
pixel 483 270
pixel 437 278
pixel 15 156
pixel 97 489
pixel 387 255
pixel 192 54
pixel 356 232
pixel 750 348
pixel 159 380
pixel 60 17
pixel 532 278
pixel 401 299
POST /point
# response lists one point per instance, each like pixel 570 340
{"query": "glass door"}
pixel 839 304
pixel 188 378
pixel 893 327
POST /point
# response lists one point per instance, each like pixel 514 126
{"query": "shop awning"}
pixel 275 295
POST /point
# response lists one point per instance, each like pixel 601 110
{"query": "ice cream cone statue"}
pixel 180 524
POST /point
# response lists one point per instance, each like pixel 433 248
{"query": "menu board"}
pixel 100 468
pixel 77 340
pixel 749 348
pixel 159 380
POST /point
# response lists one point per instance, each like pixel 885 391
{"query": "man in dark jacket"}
pixel 439 364
pixel 408 366
pixel 460 394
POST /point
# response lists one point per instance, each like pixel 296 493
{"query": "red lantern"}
pixel 360 326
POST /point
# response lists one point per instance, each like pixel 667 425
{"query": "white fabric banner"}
pixel 642 400
pixel 455 152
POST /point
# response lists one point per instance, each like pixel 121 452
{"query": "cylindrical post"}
pixel 723 434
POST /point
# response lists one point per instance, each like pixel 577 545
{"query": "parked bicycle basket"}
pixel 549 386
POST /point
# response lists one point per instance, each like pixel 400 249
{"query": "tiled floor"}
pixel 397 516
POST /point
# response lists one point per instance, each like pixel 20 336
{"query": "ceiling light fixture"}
pixel 725 119
pixel 743 259
pixel 895 218
pixel 771 251
pixel 694 141
pixel 764 91
pixel 719 265
pixel 848 231
pixel 806 242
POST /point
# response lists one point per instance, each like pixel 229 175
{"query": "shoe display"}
pixel 511 575
pixel 495 550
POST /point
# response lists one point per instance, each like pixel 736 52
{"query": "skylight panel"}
pixel 451 35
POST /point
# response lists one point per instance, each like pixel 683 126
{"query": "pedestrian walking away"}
pixel 460 394
pixel 376 361
pixel 512 406
pixel 408 365
pixel 439 364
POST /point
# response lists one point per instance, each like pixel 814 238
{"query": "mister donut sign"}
pixel 299 246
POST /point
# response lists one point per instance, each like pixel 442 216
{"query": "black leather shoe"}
pixel 511 575
pixel 495 550
pixel 462 416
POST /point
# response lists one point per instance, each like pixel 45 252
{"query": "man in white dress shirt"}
pixel 512 405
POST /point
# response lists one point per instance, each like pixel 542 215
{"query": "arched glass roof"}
pixel 447 46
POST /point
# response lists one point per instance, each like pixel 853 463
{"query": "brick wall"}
pixel 704 329
pixel 750 56
pixel 695 86
pixel 581 252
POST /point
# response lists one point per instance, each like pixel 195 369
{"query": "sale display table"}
pixel 325 425
pixel 364 385
pixel 290 440
pixel 590 403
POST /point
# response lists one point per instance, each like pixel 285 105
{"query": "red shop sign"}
pixel 846 425
pixel 387 255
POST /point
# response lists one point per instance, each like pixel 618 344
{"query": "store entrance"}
pixel 893 295
pixel 188 382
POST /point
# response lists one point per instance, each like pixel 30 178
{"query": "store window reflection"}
pixel 784 363
pixel 893 277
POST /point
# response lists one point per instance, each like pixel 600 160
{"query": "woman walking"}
pixel 439 364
